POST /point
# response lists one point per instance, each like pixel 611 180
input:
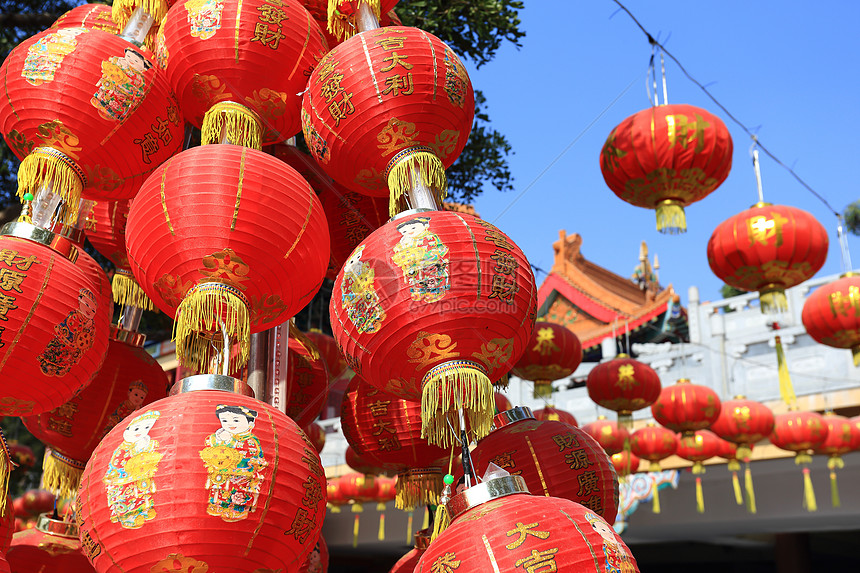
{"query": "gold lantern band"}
pixel 61 474
pixel 46 167
pixel 410 168
pixel 231 122
pixel 542 389
pixel 127 292
pixel 671 219
pixel 448 389
pixel 417 486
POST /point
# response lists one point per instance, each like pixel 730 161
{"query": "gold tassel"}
pixel 61 475
pixel 417 487
pixel 700 496
pixel 739 496
pixel 654 467
pixel 202 311
pixel 425 523
pixel 542 389
pixel 748 481
pixel 357 507
pixel 671 219
pixel 381 535
pixel 409 527
pixel 306 343
pixel 772 300
pixel 231 122
pixel 448 388
pixel 334 508
pixel 419 162
pixel 47 167
pixel 808 493
pixel 441 521
pixel 127 291
pixel 355 531
pixel 786 389
pixel 834 490
pixel 855 352
pixel 625 420
pixel 655 503
pixel 342 24
pixel 503 383
pixel 122 10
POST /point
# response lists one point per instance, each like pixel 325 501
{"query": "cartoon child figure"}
pixel 122 86
pixel 235 463
pixel 359 297
pixel 422 257
pixel 72 337
pixel 204 17
pixel 129 478
pixel 137 392
pixel 46 55
pixel 314 561
pixel 615 553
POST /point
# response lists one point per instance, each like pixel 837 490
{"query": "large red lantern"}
pixel 387 107
pixel 686 407
pixel 623 385
pixel 768 248
pixel 553 353
pixel 553 458
pixel 224 237
pixel 112 123
pixel 665 158
pixel 496 527
pixel 251 484
pixel 802 433
pixel 842 437
pixel 702 445
pixel 226 53
pixel 611 435
pixel 831 314
pixel 52 545
pixel 556 415
pixel 128 380
pixel 55 321
pixel 407 563
pixel 351 218
pixel 307 378
pixel 435 305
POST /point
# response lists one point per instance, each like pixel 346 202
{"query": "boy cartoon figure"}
pixel 45 56
pixel 72 337
pixel 358 294
pixel 204 17
pixel 137 392
pixel 615 553
pixel 122 86
pixel 422 257
pixel 234 461
pixel 129 478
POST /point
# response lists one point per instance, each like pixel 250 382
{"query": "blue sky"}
pixel 788 69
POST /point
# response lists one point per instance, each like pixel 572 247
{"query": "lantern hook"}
pixel 843 243
pixel 225 352
pixel 756 167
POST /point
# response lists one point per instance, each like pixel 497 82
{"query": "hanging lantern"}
pixel 128 380
pixel 351 218
pixel 611 436
pixel 316 435
pixel 552 353
pixel 387 107
pixel 553 458
pixel 496 525
pixel 831 314
pixel 307 378
pixel 96 16
pixel 842 437
pixel 361 464
pixel 387 430
pixel 625 463
pixel 317 561
pixel 52 545
pixel 407 563
pixel 224 55
pixel 729 451
pixel 623 385
pixel 435 305
pixel 665 158
pixel 556 415
pixel 112 123
pixel 335 498
pixel 801 432
pixel 702 445
pixel 359 488
pixel 768 248
pixel 654 443
pixel 251 485
pixel 334 362
pixel 686 407
pixel 502 403
pixel 226 237
pixel 36 501
pixel 743 422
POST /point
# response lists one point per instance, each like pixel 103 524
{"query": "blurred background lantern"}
pixel 335 498
pixel 842 437
pixel 702 445
pixel 554 414
pixel 307 378
pixel 316 435
pixel 611 436
pixel 552 353
pixel 52 545
pixel 625 463
pixel 685 407
pixel 360 463
pixel 327 347
pixel 801 432
pixel 623 385
pixel 831 314
pixel 391 315
pixel 665 158
pixel 653 443
pixel 502 402
pixel 385 491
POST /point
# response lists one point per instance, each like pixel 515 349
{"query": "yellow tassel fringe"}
pixel 127 292
pixel 700 496
pixel 381 535
pixel 425 523
pixel 441 521
pixel 855 353
pixel 423 163
pixel 61 475
pixel 809 502
pixel 736 483
pixel 122 10
pixel 449 388
pixel 750 491
pixel 542 390
pixel 671 219
pixel 417 487
pixel 46 167
pixel 230 122
pixel 342 25
pixel 786 388
pixel 625 420
pixel 355 531
pixel 409 519
pixel 655 503
pixel 773 301
pixel 834 490
pixel 654 467
pixel 6 467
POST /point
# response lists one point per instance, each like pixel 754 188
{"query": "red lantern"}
pixel 55 327
pixel 334 362
pixel 611 436
pixel 128 380
pixel 625 463
pixel 702 445
pixel 768 248
pixel 653 443
pixel 665 158
pixel 801 432
pixel 317 561
pixel 386 106
pixel 387 431
pixel 842 437
pixel 623 385
pixel 112 123
pixel 494 527
pixel 351 218
pixel 553 352
pixel 307 378
pixel 334 495
pixel 224 233
pixel 88 16
pixel 743 422
pixel 407 563
pixel 556 415
pixel 831 314
pixel 358 487
pixel 686 407
pixel 408 327
pixel 553 458
pixel 316 435
pixel 251 485
pixel 503 404
pixel 227 53
pixel 52 545
pixel 22 455
pixel 361 464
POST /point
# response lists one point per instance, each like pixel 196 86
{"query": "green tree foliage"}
pixel 852 217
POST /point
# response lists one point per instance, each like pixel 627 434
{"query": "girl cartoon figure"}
pixel 359 297
pixel 204 17
pixel 129 480
pixel 422 257
pixel 614 552
pixel 234 462
pixel 72 337
pixel 122 86
pixel 45 56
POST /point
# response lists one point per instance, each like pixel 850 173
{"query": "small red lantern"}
pixel 502 403
pixel 52 545
pixel 653 443
pixel 351 218
pixel 625 463
pixel 553 458
pixel 36 501
pixel 611 436
pixel 702 445
pixel 335 498
pixel 360 463
pixel 22 455
pixel 552 353
pixel 307 378
pixel 665 158
pixel 316 435
pixel 317 561
pixel 831 314
pixel 334 362
pixel 686 407
pixel 556 415
pixel 842 437
pixel 407 563
pixel 768 248
pixel 743 422
pixel 623 385
pixel 802 433
pixel 409 327
pixel 88 16
pixel 359 488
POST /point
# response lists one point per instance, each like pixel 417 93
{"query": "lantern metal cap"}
pixel 515 414
pixel 73 234
pixel 46 524
pixel 683 381
pixel 848 274
pixel 408 212
pixel 739 397
pixel 54 241
pixel 212 382
pixel 761 204
pixel 129 337
pixel 484 492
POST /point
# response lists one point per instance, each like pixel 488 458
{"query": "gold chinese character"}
pixel 577 459
pixel 301 526
pixel 524 530
pixel 588 483
pixel 7 303
pixel 390 43
pixel 539 561
pixel 379 408
pixel 625 377
pixel 267 36
pixel 840 303
pixel 380 426
pixel 506 264
pixel 682 130
pixel 341 109
pixel 545 344
pixel 271 14
pixel 313 493
pixel 445 563
pixel 11 280
pixel 397 85
pixel 565 441
pixel 762 230
pixel 396 60
pixel 503 289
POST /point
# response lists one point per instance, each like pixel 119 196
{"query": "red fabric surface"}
pixel 842 436
pixel 88 16
pixel 35 551
pixel 552 353
pixel 831 314
pixel 106 230
pixel 351 218
pixel 327 346
pixel 316 435
pixel 799 431
pixel 308 383
pixel 625 463
pixel 743 421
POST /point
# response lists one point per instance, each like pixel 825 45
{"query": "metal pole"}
pixel 366 19
pixel 757 175
pixel 663 70
pixel 138 27
pixel 277 392
pixel 419 195
pixel 257 362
